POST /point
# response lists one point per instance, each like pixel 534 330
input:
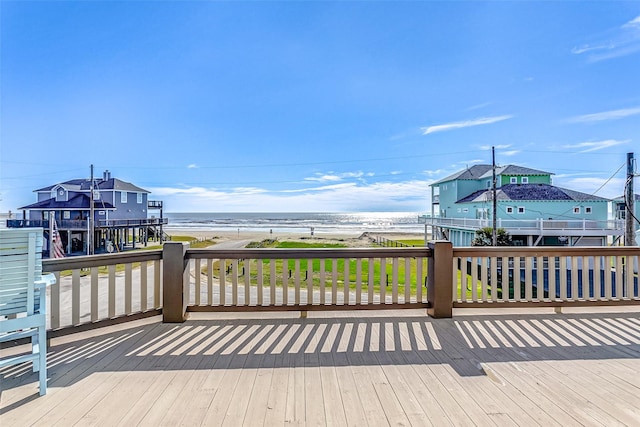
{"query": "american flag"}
pixel 56 242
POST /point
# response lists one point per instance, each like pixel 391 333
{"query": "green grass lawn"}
pixel 286 273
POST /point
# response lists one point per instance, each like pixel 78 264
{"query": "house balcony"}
pixel 185 336
pixel 82 225
pixel 535 227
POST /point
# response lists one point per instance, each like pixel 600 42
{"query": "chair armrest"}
pixel 46 280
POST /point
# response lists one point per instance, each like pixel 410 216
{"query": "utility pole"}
pixel 629 201
pixel 493 198
pixel 91 215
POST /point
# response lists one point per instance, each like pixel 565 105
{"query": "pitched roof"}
pixel 81 202
pixel 474 172
pixel 542 192
pixel 636 197
pixel 516 170
pixel 101 184
pixel 485 171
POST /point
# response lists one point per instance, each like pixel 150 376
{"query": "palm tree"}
pixel 484 237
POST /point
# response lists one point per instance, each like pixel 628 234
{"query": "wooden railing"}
pixel 101 288
pixel 306 279
pixel 545 276
pixel 68 224
pixel 176 280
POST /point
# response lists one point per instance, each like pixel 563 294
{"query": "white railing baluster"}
pixel 260 281
pixel 128 289
pixel 272 281
pixel 222 268
pixel 517 283
pixel 310 298
pixel 608 271
pixel 419 282
pixel 75 297
pixel 346 283
pixel 619 276
pixel 297 281
pixel 246 271
pixel 358 281
pixel 144 283
pixel 370 282
pixel 285 282
pixel 234 282
pixel 95 297
pixel 210 281
pixel 383 280
pixel 323 289
pixel 112 290
pixel 407 280
pixel 394 280
pixel 198 280
pixel 157 281
pixel 334 282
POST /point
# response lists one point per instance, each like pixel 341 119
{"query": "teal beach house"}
pixel 528 206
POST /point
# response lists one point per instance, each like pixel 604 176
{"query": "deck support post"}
pixel 174 282
pixel 440 280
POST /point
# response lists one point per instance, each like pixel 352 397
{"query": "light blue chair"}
pixel 23 297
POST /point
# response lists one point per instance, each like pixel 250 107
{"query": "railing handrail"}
pixel 79 224
pixel 530 224
pixel 303 253
pixel 535 251
pixel 88 261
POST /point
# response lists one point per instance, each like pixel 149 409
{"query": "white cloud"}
pixel 596 145
pixel 605 115
pixel 410 196
pixel 464 124
pixel 323 178
pixel 192 166
pixel 634 23
pixel 610 190
pixel 436 172
pixel 478 106
pixel 509 153
pixel 586 48
pixel 613 43
pixel 334 177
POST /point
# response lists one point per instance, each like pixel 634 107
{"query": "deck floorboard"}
pixel 347 368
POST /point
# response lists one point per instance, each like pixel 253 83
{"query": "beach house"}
pixel 528 206
pixel 118 210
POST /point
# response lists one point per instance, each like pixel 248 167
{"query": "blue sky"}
pixel 314 106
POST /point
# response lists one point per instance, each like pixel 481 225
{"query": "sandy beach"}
pixel 364 239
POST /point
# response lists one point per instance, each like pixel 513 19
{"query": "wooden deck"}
pixel 340 368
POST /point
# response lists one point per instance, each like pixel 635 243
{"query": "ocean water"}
pixel 292 222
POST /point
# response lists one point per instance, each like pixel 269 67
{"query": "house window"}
pixel 514 180
pixel 588 210
pixel 489 184
pixel 139 198
pixel 509 209
pixel 459 210
pixel 465 210
pixel 524 180
pixel 123 197
pixel 520 209
pixel 576 209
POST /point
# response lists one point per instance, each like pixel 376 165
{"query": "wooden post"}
pixel 440 280
pixel 173 287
